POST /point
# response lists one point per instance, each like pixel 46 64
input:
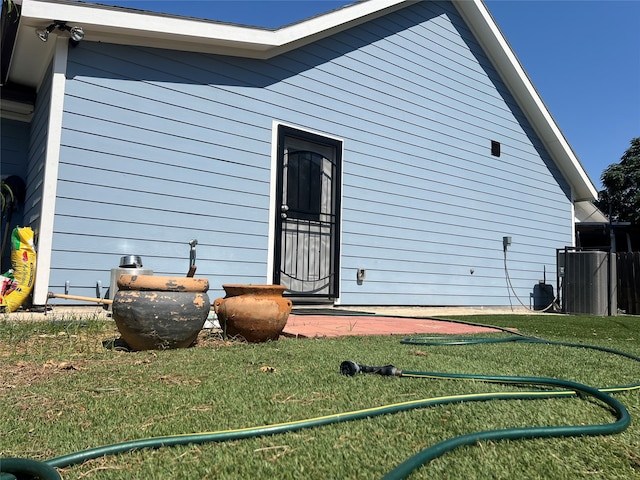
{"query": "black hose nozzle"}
pixel 352 368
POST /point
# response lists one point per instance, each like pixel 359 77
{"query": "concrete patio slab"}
pixel 318 322
pixel 319 326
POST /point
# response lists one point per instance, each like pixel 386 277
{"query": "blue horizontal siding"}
pixel 37 154
pixel 159 148
pixel 14 146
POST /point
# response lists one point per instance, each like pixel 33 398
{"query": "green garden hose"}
pixel 17 468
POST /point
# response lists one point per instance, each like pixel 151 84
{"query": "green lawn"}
pixel 63 392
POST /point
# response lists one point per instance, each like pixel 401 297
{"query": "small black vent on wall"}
pixel 495 148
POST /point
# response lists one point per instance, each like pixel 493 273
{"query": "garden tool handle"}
pixel 106 301
pixel 192 258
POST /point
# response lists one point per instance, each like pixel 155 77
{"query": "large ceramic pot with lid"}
pixel 155 312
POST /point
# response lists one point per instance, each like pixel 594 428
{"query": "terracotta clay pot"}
pixel 255 312
pixel 166 317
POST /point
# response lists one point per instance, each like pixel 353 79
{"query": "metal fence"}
pixel 628 267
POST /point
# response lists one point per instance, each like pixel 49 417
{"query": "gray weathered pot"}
pixel 156 319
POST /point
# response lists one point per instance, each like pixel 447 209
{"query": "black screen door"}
pixel 307 221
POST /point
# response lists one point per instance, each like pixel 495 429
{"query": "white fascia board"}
pixel 513 74
pixel 324 25
pixel 101 23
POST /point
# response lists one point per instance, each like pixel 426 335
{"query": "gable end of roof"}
pixel 135 27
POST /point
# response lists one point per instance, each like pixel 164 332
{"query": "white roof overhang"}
pixel 133 27
pixel 587 212
pixel 142 28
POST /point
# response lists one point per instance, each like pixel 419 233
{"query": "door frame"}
pixel 274 207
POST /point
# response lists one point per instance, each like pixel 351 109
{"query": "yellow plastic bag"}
pixel 23 264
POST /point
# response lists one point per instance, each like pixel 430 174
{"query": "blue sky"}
pixel 583 57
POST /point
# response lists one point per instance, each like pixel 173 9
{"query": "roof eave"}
pixel 141 28
pixel 134 27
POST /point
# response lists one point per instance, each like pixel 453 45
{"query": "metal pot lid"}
pixel 131 261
